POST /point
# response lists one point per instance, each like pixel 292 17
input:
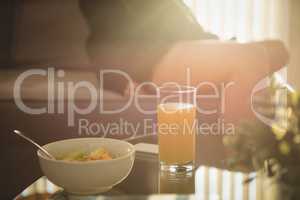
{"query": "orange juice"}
pixel 176 133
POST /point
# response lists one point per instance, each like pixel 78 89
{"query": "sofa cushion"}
pixel 50 32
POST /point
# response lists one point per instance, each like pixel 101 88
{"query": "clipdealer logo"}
pixel 59 89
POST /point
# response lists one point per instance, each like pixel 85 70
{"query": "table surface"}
pixel 146 181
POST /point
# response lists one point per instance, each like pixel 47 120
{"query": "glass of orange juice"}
pixel 176 117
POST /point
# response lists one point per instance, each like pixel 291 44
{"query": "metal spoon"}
pixel 44 151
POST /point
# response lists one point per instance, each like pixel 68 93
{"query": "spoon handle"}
pixel 46 153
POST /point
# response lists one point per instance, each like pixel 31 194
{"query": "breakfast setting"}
pixel 150 99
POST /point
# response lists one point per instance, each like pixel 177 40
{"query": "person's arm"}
pixel 220 63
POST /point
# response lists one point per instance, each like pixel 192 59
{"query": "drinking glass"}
pixel 176 117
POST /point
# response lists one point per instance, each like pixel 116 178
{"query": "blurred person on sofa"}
pixel 158 40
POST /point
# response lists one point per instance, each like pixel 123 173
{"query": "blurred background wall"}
pixel 294 67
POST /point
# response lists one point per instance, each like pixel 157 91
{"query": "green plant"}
pixel 275 146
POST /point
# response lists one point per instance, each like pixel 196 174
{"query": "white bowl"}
pixel 88 177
